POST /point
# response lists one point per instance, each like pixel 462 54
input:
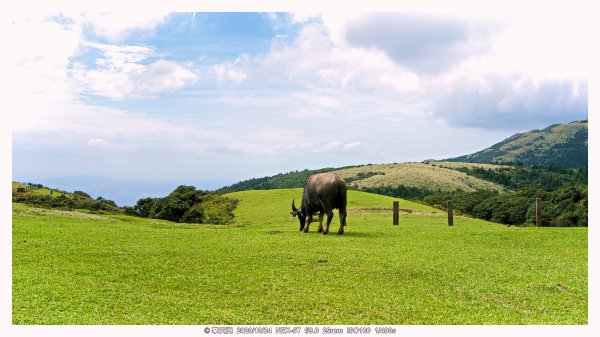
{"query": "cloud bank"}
pixel 326 89
pixel 423 43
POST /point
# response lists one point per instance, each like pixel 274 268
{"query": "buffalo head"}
pixel 298 212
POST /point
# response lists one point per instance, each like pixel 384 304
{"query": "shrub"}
pixel 194 214
pixel 64 202
pixel 187 204
pixel 143 206
pixel 128 210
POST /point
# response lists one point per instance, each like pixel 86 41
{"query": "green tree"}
pixel 143 206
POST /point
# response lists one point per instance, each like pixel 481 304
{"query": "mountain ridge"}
pixel 563 145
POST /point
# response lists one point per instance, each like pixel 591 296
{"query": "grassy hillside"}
pixel 418 175
pixel 42 191
pixel 565 145
pixel 429 177
pixel 41 196
pixel 76 268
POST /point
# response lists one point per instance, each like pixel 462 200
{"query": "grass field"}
pixel 76 268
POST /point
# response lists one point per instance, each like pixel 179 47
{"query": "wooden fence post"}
pixel 450 214
pixel 538 212
pixel 396 211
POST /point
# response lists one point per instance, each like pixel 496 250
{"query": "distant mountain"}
pixel 123 192
pixel 564 145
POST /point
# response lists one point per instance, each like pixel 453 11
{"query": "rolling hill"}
pixel 564 145
pixel 436 176
pixel 415 175
pixel 40 190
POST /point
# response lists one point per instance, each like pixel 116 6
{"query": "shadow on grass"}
pixel 347 233
pixel 352 234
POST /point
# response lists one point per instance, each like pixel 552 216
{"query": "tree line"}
pixel 548 178
pixel 566 206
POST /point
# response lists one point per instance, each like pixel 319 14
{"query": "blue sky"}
pixel 230 96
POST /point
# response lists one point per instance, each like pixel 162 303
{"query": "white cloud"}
pixel 120 56
pixel 116 26
pixel 96 142
pixel 313 60
pixel 120 73
pixel 40 62
pixel 473 71
pixel 425 43
pixel 231 70
pixel 497 101
pixel 336 145
pixel 303 17
pixel 351 145
pixel 35 67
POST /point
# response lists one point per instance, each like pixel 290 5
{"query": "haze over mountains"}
pixel 564 145
pixel 123 192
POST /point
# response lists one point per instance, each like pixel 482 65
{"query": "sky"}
pixel 231 96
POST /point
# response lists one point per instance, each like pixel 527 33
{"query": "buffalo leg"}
pixel 342 221
pixel 329 218
pixel 307 222
pixel 320 230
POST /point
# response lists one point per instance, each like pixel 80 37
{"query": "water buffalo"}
pixel 323 193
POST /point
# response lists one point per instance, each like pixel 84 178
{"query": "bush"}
pixel 189 205
pixel 128 210
pixel 511 211
pixel 64 202
pixel 171 209
pixel 82 194
pixel 143 206
pixel 217 209
pixel 193 215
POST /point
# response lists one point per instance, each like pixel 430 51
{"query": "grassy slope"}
pixel 418 175
pixel 555 144
pixel 74 268
pixel 43 191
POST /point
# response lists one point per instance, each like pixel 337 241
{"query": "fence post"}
pixel 538 212
pixel 450 214
pixel 396 211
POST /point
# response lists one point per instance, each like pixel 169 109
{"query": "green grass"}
pixel 46 191
pixel 76 268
